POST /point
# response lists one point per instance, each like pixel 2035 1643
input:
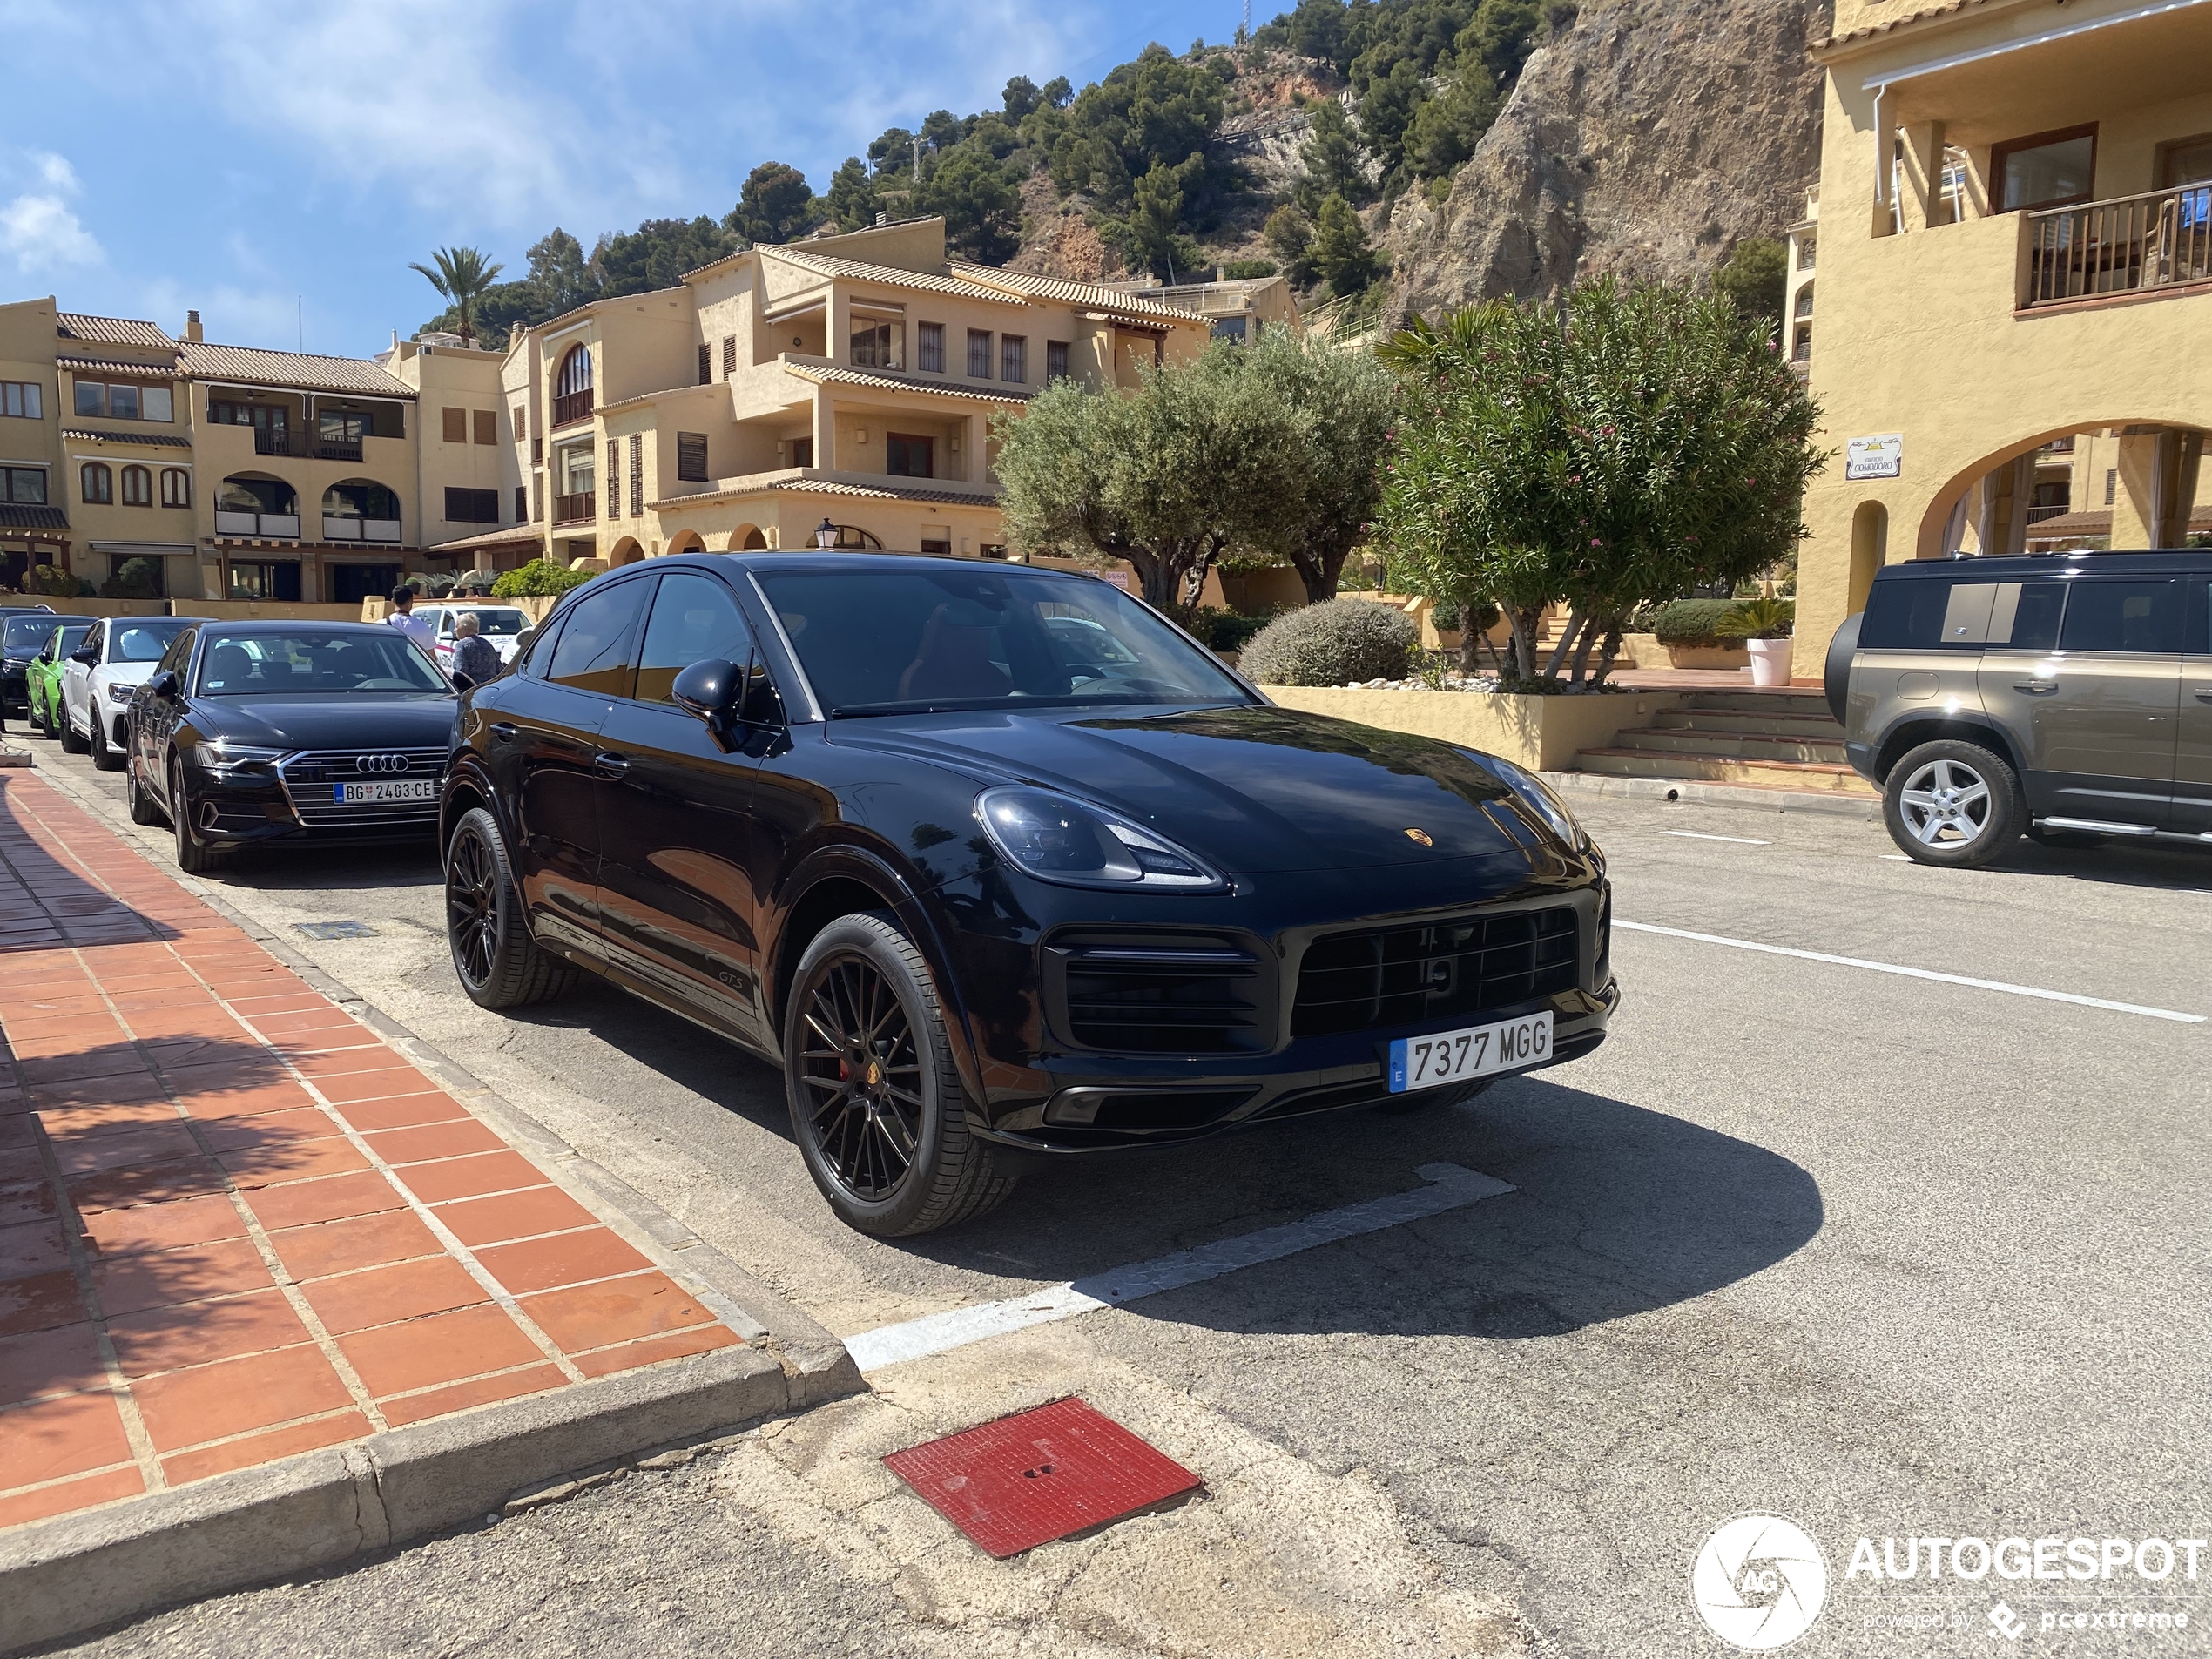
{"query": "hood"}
pixel 126 673
pixel 361 720
pixel 1253 790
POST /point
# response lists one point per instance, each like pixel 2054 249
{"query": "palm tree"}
pixel 461 276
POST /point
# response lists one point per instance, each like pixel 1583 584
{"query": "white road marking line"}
pixel 1449 1187
pixel 1898 858
pixel 1693 835
pixel 1917 972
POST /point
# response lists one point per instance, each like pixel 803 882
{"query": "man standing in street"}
pixel 406 622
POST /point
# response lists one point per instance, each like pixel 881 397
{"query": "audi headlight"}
pixel 1078 844
pixel 119 693
pixel 1538 796
pixel 223 756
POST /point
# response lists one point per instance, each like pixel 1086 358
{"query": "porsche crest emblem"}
pixel 1422 836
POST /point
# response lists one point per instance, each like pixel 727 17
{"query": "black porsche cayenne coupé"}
pixel 252 732
pixel 990 858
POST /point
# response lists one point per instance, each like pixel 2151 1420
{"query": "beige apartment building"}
pixel 2014 295
pixel 839 388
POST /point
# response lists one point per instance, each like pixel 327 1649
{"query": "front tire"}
pixel 499 965
pixel 876 1103
pixel 1954 804
pixel 194 856
pixel 41 716
pixel 72 744
pixel 136 801
pixel 105 755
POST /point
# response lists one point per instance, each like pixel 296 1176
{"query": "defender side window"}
pixel 2134 614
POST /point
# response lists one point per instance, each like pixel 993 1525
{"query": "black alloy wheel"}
pixel 499 965
pixel 194 856
pixel 72 744
pixel 876 1102
pixel 136 801
pixel 41 716
pixel 105 755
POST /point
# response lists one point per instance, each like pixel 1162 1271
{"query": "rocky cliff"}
pixel 1647 138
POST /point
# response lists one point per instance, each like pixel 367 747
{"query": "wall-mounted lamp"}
pixel 826 535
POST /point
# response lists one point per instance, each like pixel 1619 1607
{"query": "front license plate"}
pixel 384 789
pixel 1477 1051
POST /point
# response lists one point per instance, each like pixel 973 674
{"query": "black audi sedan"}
pixel 996 862
pixel 254 733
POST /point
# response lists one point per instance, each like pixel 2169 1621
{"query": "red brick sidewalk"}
pixel 236 1225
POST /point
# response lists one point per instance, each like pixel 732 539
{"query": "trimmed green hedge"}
pixel 538 576
pixel 1341 643
pixel 1695 622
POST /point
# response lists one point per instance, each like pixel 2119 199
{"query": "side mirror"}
pixel 164 685
pixel 710 690
pixel 85 655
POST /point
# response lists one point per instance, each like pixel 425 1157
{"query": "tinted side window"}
pixel 2130 614
pixel 695 618
pixel 2197 638
pixel 594 653
pixel 93 639
pixel 178 654
pixel 2025 615
pixel 1909 613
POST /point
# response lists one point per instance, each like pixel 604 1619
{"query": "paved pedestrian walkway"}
pixel 234 1224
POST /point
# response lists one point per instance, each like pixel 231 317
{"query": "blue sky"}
pixel 277 166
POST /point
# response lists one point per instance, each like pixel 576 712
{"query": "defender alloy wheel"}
pixel 1953 803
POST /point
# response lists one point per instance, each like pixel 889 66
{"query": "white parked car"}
pixel 116 657
pixel 501 626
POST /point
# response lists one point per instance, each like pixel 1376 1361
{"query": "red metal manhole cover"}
pixel 1038 1476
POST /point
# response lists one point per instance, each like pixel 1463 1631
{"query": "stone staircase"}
pixel 1771 740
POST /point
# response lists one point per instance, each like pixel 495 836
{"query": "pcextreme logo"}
pixel 1758 1582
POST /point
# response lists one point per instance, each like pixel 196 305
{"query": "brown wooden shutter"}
pixel 456 426
pixel 729 355
pixel 487 426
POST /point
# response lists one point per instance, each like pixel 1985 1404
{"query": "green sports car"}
pixel 43 675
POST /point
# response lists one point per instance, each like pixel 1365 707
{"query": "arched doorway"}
pixel 1870 545
pixel 687 542
pixel 748 538
pixel 626 552
pixel 257 504
pixel 359 510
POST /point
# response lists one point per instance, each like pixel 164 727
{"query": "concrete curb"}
pixel 71 1573
pixel 814 1359
pixel 1689 789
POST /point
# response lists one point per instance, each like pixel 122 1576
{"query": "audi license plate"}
pixel 1476 1051
pixel 384 789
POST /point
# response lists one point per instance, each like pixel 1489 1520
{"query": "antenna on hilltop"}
pixel 918 157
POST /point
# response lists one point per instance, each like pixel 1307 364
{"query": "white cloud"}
pixel 38 229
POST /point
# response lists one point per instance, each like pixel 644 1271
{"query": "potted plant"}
pixel 1766 624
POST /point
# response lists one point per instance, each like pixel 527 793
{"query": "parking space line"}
pixel 1694 835
pixel 1448 1187
pixel 1915 973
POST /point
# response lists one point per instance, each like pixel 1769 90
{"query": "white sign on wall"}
pixel 1879 457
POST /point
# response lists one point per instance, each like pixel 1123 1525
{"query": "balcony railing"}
pixel 284 525
pixel 2037 514
pixel 299 447
pixel 338 449
pixel 277 441
pixel 2134 245
pixel 359 530
pixel 571 407
pixel 576 509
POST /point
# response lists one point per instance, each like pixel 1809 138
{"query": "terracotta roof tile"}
pixel 513 536
pixel 1087 294
pixel 16 516
pixel 303 371
pixel 109 331
pixel 84 434
pixel 889 276
pixel 1891 24
pixel 834 374
pixel 831 486
pixel 117 366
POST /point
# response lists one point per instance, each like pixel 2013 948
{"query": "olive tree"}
pixel 1167 477
pixel 1617 450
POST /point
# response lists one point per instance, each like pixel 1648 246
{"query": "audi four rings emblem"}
pixel 379 763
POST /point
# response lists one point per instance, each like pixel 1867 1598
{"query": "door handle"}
pixel 2204 693
pixel 612 762
pixel 504 730
pixel 2036 688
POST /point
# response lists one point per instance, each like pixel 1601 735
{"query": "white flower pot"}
pixel 1769 661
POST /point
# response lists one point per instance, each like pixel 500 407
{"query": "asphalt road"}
pixel 1889 1256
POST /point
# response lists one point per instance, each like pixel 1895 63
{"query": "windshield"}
pixel 25 635
pixel 314 664
pixel 506 623
pixel 143 642
pixel 886 642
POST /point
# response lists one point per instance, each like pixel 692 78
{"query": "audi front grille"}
pixel 308 776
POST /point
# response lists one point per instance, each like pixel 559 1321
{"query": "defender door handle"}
pixel 504 730
pixel 2036 688
pixel 611 763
